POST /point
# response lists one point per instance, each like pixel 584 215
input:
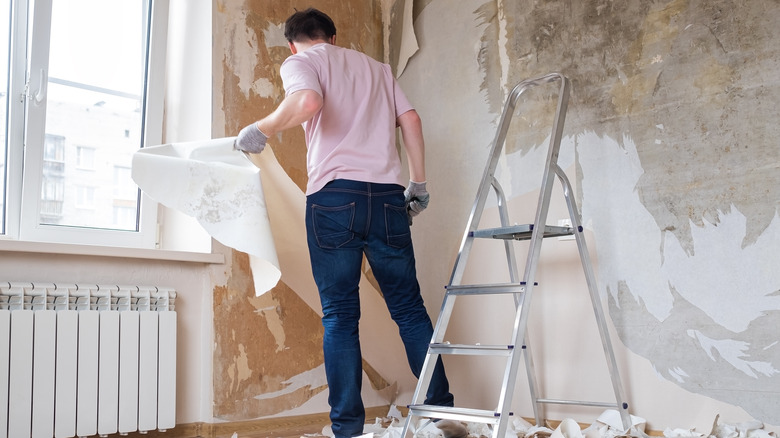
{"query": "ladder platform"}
pixel 487 289
pixel 520 232
pixel 471 350
pixel 451 413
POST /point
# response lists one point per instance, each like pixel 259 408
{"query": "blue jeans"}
pixel 345 220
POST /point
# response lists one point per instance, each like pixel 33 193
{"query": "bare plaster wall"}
pixel 672 140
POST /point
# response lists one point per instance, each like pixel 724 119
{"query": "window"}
pixel 85 198
pixel 85 158
pixel 88 75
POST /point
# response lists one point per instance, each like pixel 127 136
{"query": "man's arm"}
pixel 295 109
pixel 416 195
pixel 414 144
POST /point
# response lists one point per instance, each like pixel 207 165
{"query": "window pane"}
pixel 5 40
pixel 85 158
pixel 94 120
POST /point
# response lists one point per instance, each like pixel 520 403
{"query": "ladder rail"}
pixel 514 275
pixel 509 248
pixel 545 193
pixel 532 385
pixel 521 319
pixel 510 373
pixel 595 297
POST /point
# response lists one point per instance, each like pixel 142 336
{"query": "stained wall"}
pixel 671 139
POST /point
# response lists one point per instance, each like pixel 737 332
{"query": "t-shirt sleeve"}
pixel 402 104
pixel 297 74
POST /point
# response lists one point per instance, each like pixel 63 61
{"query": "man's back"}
pixel 353 136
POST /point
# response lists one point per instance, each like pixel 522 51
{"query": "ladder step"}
pixel 521 232
pixel 453 413
pixel 487 289
pixel 472 350
pixel 582 403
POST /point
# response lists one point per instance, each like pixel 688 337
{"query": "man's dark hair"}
pixel 309 24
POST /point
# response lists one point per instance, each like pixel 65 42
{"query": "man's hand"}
pixel 417 198
pixel 250 139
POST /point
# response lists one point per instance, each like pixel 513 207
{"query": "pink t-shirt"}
pixel 353 135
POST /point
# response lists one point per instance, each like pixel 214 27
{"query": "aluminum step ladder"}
pixel 521 289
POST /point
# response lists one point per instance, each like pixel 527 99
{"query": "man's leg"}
pixel 391 256
pixel 336 256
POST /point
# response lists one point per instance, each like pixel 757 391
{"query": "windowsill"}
pixel 109 251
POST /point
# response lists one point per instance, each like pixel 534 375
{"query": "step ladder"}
pixel 521 289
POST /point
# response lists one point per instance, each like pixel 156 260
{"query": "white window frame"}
pixel 26 124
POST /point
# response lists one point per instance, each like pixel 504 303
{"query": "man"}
pixel 349 106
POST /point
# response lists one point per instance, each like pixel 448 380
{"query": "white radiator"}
pixel 85 359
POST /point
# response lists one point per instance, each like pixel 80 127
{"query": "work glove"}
pixel 250 139
pixel 416 197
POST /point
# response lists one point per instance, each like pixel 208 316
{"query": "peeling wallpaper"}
pixel 672 130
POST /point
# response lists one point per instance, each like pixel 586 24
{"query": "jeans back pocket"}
pixel 333 225
pixel 397 226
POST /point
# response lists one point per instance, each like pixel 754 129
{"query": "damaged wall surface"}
pixel 671 134
pixel 268 349
pixel 672 131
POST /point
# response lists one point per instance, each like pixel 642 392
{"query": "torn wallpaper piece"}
pixel 409 44
pixel 220 188
pixel 392 425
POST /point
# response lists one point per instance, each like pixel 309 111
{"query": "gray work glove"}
pixel 416 197
pixel 251 139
